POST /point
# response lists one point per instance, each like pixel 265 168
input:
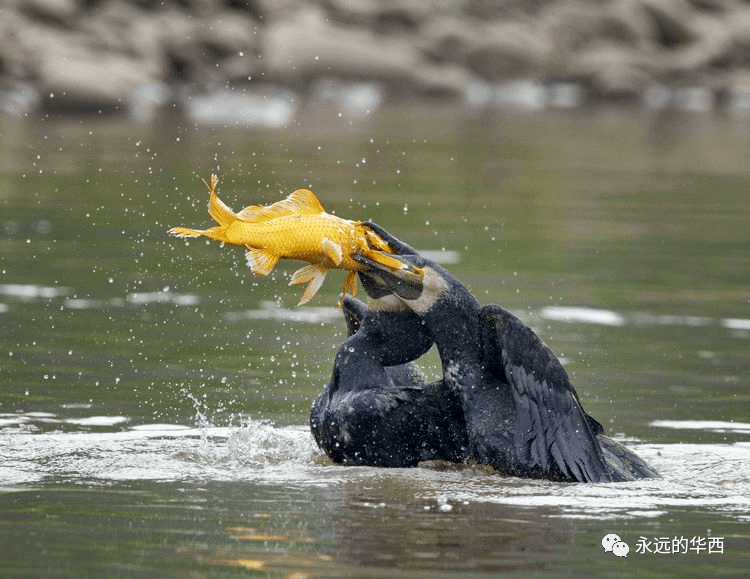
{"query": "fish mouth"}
pixel 380 280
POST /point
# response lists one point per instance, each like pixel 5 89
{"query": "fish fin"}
pixel 313 275
pixel 390 262
pixel 350 286
pixel 185 232
pixel 211 184
pixel 261 262
pixel 217 209
pixel 301 202
pixel 375 241
pixel 216 233
pixel 332 250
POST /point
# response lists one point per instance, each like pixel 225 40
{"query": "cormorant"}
pixel 378 408
pixel 505 399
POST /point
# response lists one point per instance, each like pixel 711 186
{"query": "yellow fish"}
pixel 297 228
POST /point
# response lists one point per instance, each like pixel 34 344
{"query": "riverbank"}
pixel 255 62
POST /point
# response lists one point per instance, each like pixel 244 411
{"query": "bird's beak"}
pixel 354 312
pixel 380 281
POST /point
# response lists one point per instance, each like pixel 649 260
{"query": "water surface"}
pixel 155 394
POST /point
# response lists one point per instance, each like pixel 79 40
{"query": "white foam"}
pixel 271 311
pixel 711 477
pixel 33 291
pixel 736 323
pixel 97 420
pixel 712 425
pixel 582 314
pixel 162 297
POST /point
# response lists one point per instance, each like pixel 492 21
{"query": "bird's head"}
pixel 418 293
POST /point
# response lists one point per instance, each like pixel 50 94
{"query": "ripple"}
pixel 715 477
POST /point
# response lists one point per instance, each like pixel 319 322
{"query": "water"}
pixel 155 394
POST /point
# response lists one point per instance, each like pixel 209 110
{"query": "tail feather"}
pixel 623 463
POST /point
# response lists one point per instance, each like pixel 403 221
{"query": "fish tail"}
pixel 218 211
pixel 186 232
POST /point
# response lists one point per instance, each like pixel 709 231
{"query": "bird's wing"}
pixel 393 427
pixel 553 437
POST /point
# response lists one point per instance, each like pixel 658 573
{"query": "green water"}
pixel 641 216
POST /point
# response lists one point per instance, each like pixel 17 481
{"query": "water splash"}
pixel 101 450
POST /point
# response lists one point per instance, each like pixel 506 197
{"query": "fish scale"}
pixel 300 237
pixel 299 228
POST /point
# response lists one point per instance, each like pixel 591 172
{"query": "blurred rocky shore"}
pixel 256 61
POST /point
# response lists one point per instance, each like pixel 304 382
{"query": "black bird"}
pixel 521 413
pixel 378 409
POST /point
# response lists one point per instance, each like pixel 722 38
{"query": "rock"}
pixel 300 49
pixel 739 25
pixel 671 20
pixel 493 51
pixel 230 41
pixel 225 33
pixel 120 28
pixel 572 25
pixel 638 26
pixel 296 50
pixel 711 44
pixel 390 16
pixel 739 28
pixel 52 11
pixel 270 10
pixel 447 39
pixel 507 49
pixel 14 60
pixel 444 80
pixel 177 45
pixel 80 68
pixel 611 70
pixel 80 82
pixel 100 51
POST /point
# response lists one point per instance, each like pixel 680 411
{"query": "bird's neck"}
pixel 460 354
